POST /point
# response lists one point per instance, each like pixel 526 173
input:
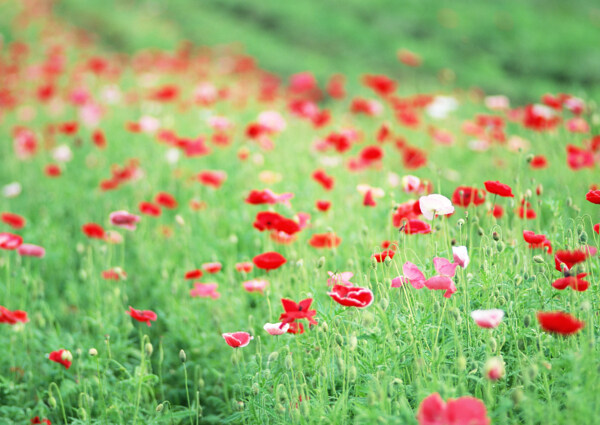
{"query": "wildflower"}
pixel 461 411
pixel 494 368
pixel 559 322
pixel 487 318
pixel 13 220
pixel 193 274
pixel 165 200
pixel 464 196
pixel 237 339
pixel 461 256
pixel 351 296
pixel 269 260
pixel 276 328
pixel 593 196
pixel 205 290
pixel 93 231
pixel 64 357
pixel 10 241
pixel 342 278
pixel 297 311
pixel 324 240
pixel 565 259
pixel 212 268
pixel 30 250
pixel 537 241
pixel 499 189
pixel 124 219
pixel 142 315
pixel 574 282
pixel 12 317
pixel 245 267
pixel 255 285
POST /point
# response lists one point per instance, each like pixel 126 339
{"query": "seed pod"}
pixel 496 236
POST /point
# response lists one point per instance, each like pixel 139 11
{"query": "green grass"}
pixel 373 365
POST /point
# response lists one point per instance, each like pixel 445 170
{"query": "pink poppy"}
pixel 214 267
pixel 237 339
pixel 276 328
pixel 342 278
pixel 487 318
pixel 462 411
pixel 255 285
pixel 245 267
pixel 351 296
pixel 205 290
pixel 124 219
pixel 29 250
pixel 461 256
pixel 443 283
pixel 444 267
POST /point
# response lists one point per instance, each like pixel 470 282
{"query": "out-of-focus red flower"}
pixel 13 220
pixel 559 322
pixel 142 315
pixel 53 170
pixel 461 411
pixel 148 208
pixel 64 357
pixel 464 196
pixel 166 200
pixel 577 283
pixel 324 240
pixel 593 196
pixel 12 317
pixel 269 260
pixel 537 241
pixel 93 230
pixel 500 189
pixel 323 179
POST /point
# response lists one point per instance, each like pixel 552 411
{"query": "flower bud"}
pixel 494 368
pixel 182 356
pixel 149 349
pixel 93 352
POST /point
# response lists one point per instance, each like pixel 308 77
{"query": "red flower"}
pixel 193 274
pixel 245 267
pixel 538 161
pixel 37 420
pixel 464 196
pixel 268 220
pixel 368 200
pixel 294 312
pixel 237 339
pixel 13 220
pixel 99 139
pixel 323 205
pixel 462 411
pixel 380 84
pixel 559 322
pixel 415 226
pixel 537 241
pixel 568 258
pixel 381 256
pixel 578 158
pixel 597 228
pixel 575 282
pixel 142 315
pixel 53 170
pixel 525 211
pixel 12 317
pixel 64 357
pixel 497 211
pixel 212 267
pixel 593 196
pixel 407 211
pixel 323 179
pixel 10 241
pixel 324 240
pixel 413 158
pixel 166 200
pixel 148 208
pixel 352 296
pixel 93 230
pixel 269 260
pixel 499 189
pixel 212 178
pixel 68 128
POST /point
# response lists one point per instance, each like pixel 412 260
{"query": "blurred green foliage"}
pixel 520 48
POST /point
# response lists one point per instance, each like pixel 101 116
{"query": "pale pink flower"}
pixel 29 250
pixel 487 318
pixel 342 278
pixel 124 219
pixel 205 290
pixel 255 285
pixel 435 204
pixel 461 256
pixel 276 328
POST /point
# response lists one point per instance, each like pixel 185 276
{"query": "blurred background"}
pixel 521 48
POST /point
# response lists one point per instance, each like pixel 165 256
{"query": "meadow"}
pixel 186 237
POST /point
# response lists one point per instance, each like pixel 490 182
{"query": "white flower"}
pixel 435 204
pixel 12 190
pixel 461 256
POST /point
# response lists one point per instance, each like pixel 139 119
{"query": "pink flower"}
pixel 351 296
pixel 276 328
pixel 255 285
pixel 441 283
pixel 205 290
pixel 461 256
pixel 237 339
pixel 29 250
pixel 342 278
pixel 414 275
pixel 124 219
pixel 444 267
pixel 462 411
pixel 487 318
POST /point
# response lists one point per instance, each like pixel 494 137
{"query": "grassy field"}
pixel 92 126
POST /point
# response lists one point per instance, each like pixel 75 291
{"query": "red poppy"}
pixel 406 211
pixel 10 241
pixel 68 128
pixel 566 258
pixel 497 211
pixel 381 256
pixel 323 179
pixel 461 411
pixel 212 178
pixel 499 189
pixel 525 211
pixel 245 267
pixel 12 317
pixel 297 311
pixel 212 268
pixel 416 227
pixel 537 241
pixel 335 86
pixel 64 357
pixel 148 208
pixel 165 93
pixel 53 170
pixel 578 158
pixel 409 58
pixel 538 162
pixel 324 240
pixel 268 220
pixel 193 274
pixel 593 196
pixel 574 282
pixel 269 260
pixel 237 339
pixel 380 84
pixel 413 158
pixel 99 139
pixel 371 154
pixel 559 322
pixel 464 196
pixel 13 220
pixel 368 200
pixel 166 200
pixel 113 274
pixel 323 205
pixel 597 228
pixel 37 420
pixel 142 315
pixel 93 230
pixel 352 296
